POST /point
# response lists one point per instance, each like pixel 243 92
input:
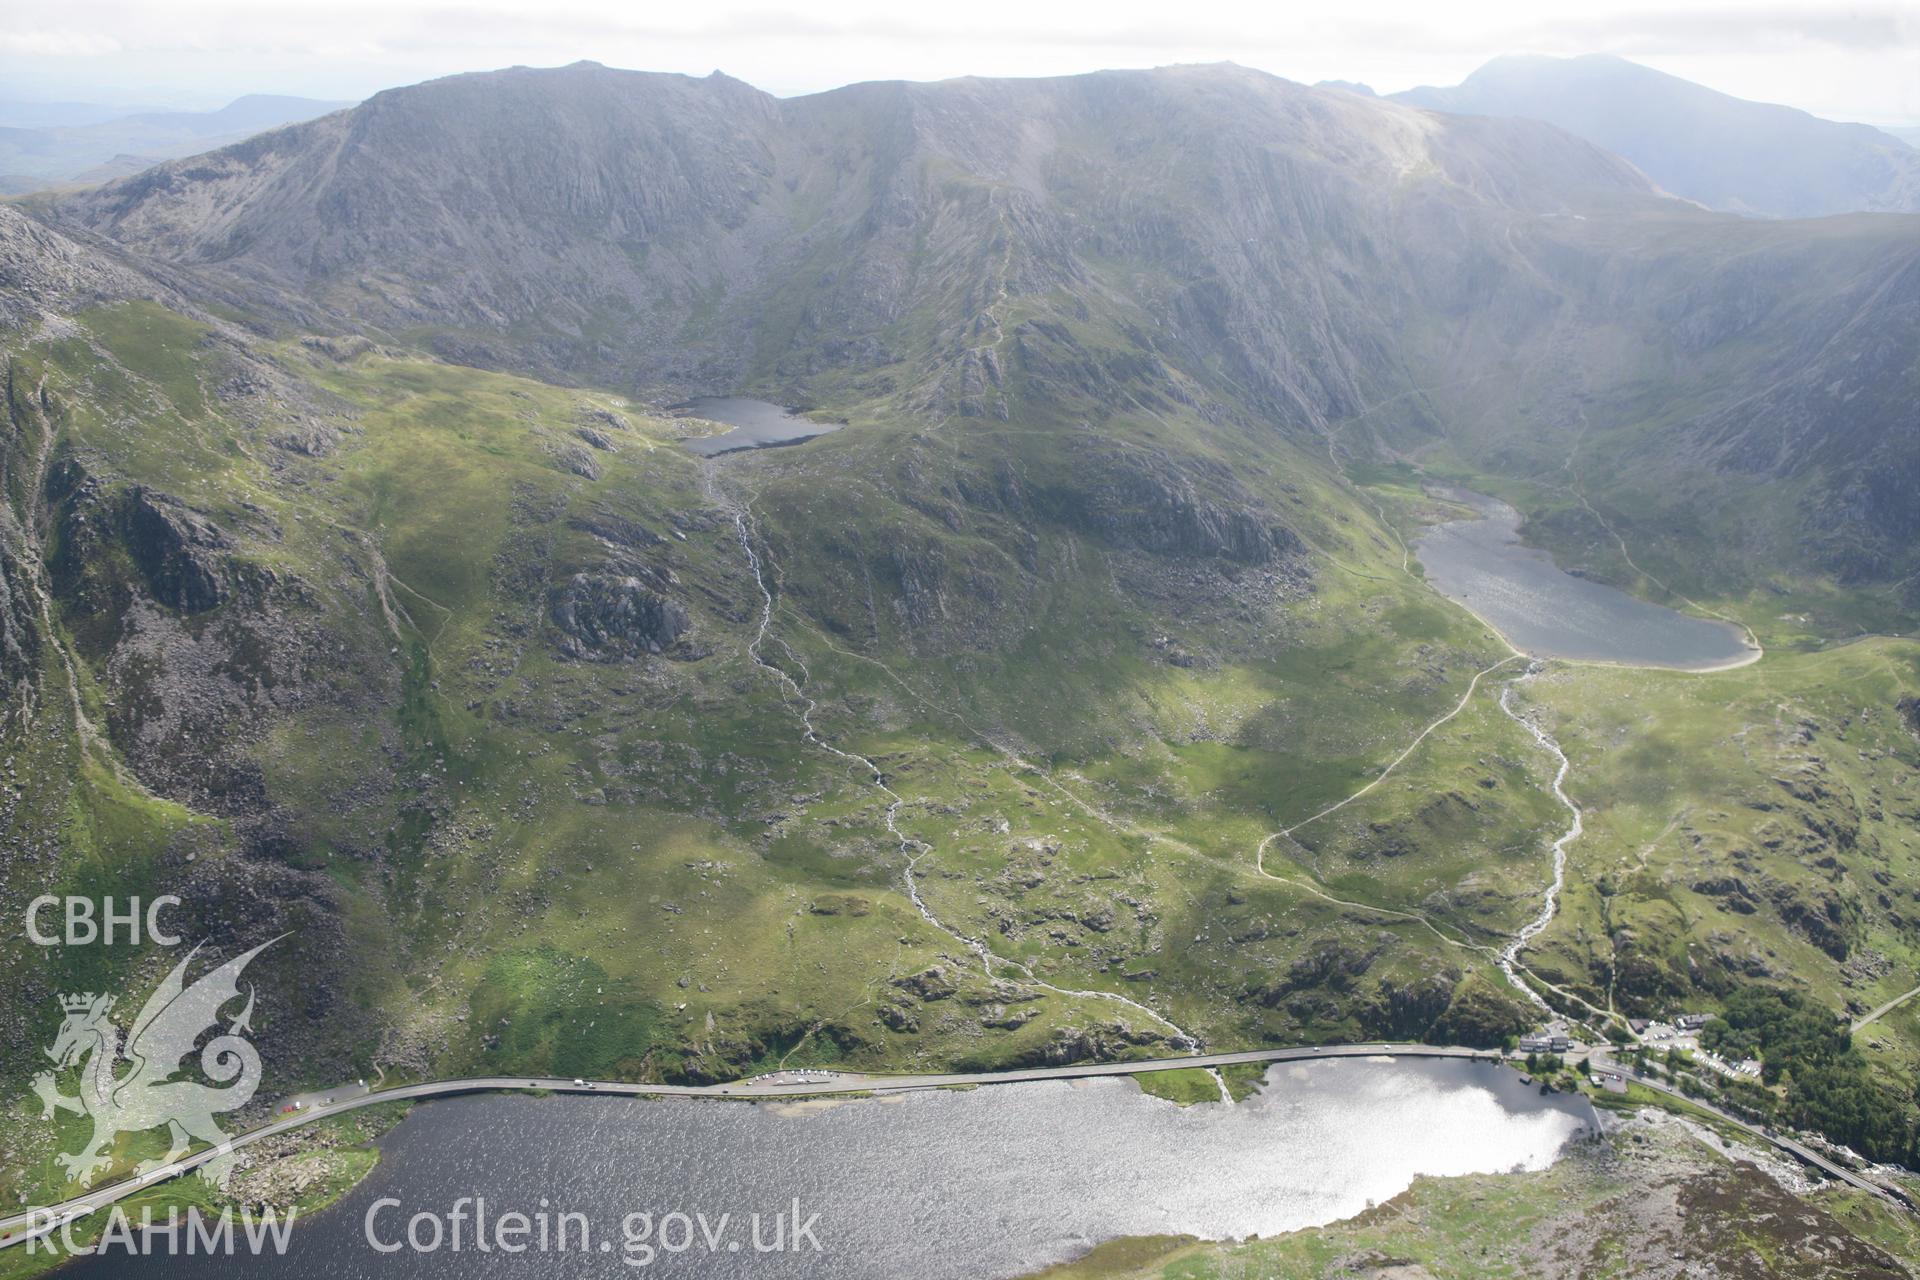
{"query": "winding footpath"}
pixel 1885 1009
pixel 913 849
pixel 1286 833
pixel 39 1222
pixel 1472 686
pixel 1506 958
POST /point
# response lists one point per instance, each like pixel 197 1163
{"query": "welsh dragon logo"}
pixel 133 1090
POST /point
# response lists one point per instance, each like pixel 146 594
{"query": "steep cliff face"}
pixel 20 619
pixel 178 551
pixel 1204 238
pixel 146 647
pixel 636 228
pixel 1149 501
pixel 43 273
pixel 1746 387
pixel 599 208
pixel 44 277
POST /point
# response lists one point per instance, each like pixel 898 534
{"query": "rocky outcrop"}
pixel 181 558
pixel 180 553
pixel 1731 891
pixel 572 457
pixel 1823 919
pixel 19 634
pixel 308 437
pixel 596 417
pixel 934 983
pixel 606 617
pixel 616 531
pixel 1146 502
pixel 22 412
pixel 1408 1010
pixel 1333 964
pixel 1083 1044
pixel 43 273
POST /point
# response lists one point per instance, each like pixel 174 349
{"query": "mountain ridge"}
pixel 39 157
pixel 867 158
pixel 1079 693
pixel 1203 235
pixel 1724 152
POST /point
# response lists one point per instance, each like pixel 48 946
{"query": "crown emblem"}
pixel 132 1088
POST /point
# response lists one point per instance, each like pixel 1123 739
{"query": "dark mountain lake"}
pixel 1548 613
pixel 991 1182
pixel 756 424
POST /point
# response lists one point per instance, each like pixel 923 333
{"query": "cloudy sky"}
pixel 1849 61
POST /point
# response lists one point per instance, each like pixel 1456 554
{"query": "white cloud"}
pixel 55 43
pixel 1857 61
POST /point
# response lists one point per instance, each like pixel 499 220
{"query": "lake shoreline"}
pixel 1755 653
pixel 752 424
pixel 1542 612
pixel 1000 1180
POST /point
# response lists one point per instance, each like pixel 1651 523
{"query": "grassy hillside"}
pixel 463 678
pixel 1759 827
pixel 306 666
pixel 932 743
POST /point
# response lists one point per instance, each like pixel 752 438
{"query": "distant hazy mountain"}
pixel 1909 134
pixel 1727 153
pixel 58 153
pixel 121 166
pixel 16 114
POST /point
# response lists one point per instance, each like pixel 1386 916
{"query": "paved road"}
pixel 1799 1151
pixel 16 1228
pixel 20 1227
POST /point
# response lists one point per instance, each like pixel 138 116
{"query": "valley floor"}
pixel 559 752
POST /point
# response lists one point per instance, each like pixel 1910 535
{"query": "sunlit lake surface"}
pixel 995 1181
pixel 1552 614
pixel 756 424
